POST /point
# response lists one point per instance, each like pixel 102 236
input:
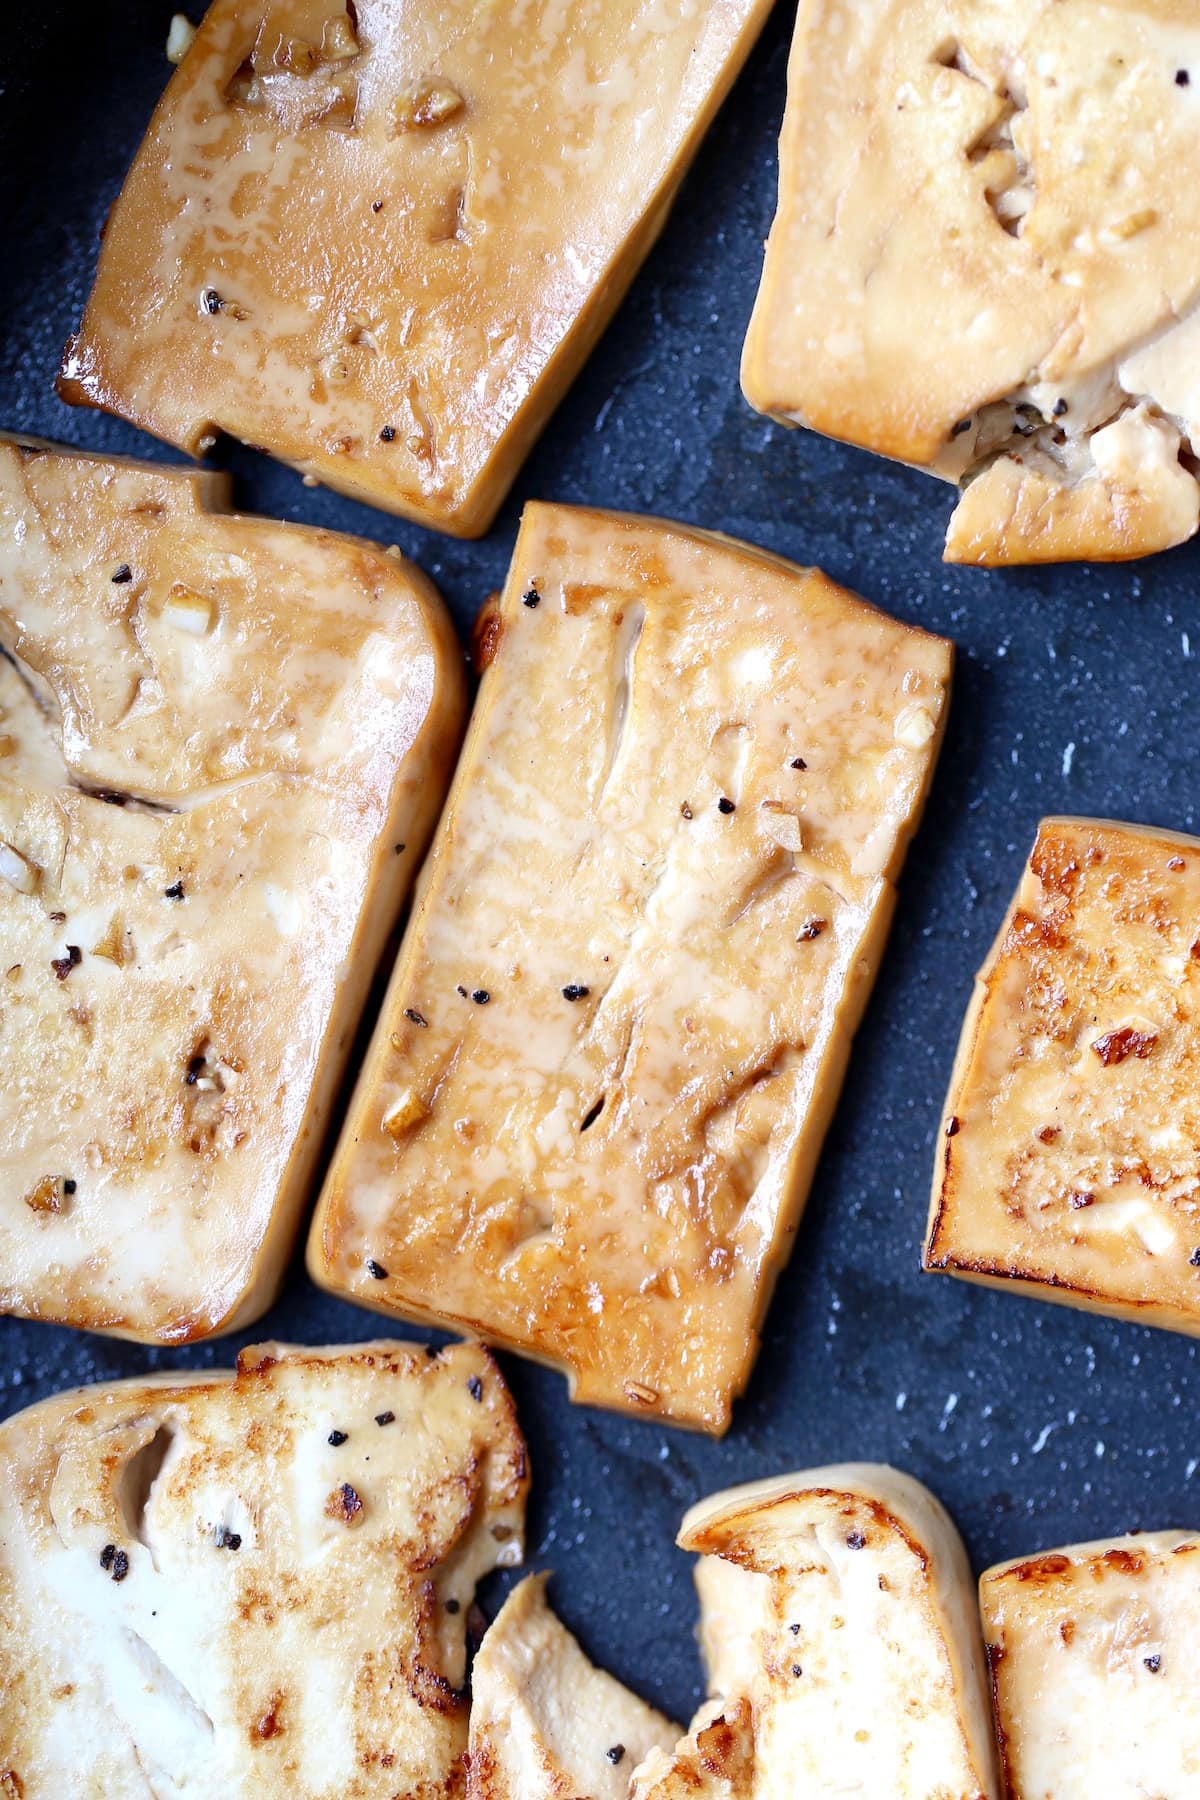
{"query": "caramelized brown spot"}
pixel 487 634
pixel 1115 1046
pixel 344 1505
pixel 270 1723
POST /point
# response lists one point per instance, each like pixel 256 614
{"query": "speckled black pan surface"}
pixel 1076 692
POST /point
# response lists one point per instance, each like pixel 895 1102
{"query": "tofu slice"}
pixel 253 1584
pixel 1066 1166
pixel 842 1643
pixel 1094 1668
pixel 985 263
pixel 223 745
pixel 380 239
pixel 546 1724
pixel 589 1117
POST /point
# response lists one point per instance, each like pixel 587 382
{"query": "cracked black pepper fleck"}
pixel 1153 1663
pixel 796 1669
pixel 1194 1258
pixel 228 1540
pixel 481 996
pixel 574 990
pixel 376 1269
pixel 616 1754
pixel 123 574
pixel 414 1017
pixel 798 762
pixel 475 1387
pixel 453 1606
pixel 1182 78
pixel 387 435
pixel 62 965
pixel 336 1438
pixel 855 1540
pixel 385 1418
pixel 952 1128
pixel 212 301
pixel 68 1187
pixel 174 892
pixel 532 598
pixel 726 805
pixel 1060 407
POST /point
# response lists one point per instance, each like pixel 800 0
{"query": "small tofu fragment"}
pixel 544 1722
pixel 842 1644
pixel 380 239
pixel 183 1612
pixel 587 1123
pixel 1093 1652
pixel 1067 1162
pixel 206 835
pixel 985 263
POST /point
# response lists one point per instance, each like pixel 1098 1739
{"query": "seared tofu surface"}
pixel 1093 1652
pixel 660 891
pixel 1067 1160
pixel 223 744
pixel 546 1724
pixel 255 1584
pixel 378 240
pixel 985 262
pixel 842 1643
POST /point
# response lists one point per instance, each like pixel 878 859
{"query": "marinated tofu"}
pixel 843 1648
pixel 986 263
pixel 223 745
pixel 379 239
pixel 254 1584
pixel 546 1724
pixel 1067 1162
pixel 588 1120
pixel 1095 1668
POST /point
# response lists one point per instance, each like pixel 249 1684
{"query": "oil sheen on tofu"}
pixel 1066 1167
pixel 253 1586
pixel 379 240
pixel 223 743
pixel 842 1644
pixel 1095 1666
pixel 986 262
pixel 545 1724
pixel 588 1120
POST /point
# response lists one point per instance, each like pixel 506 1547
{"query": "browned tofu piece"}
pixel 253 1586
pixel 1067 1161
pixel 223 746
pixel 588 1120
pixel 986 261
pixel 1095 1669
pixel 546 1724
pixel 380 239
pixel 842 1645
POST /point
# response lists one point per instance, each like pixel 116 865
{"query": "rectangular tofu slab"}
pixel 588 1120
pixel 986 262
pixel 379 240
pixel 253 1585
pixel 546 1724
pixel 842 1643
pixel 1095 1666
pixel 1067 1163
pixel 223 744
